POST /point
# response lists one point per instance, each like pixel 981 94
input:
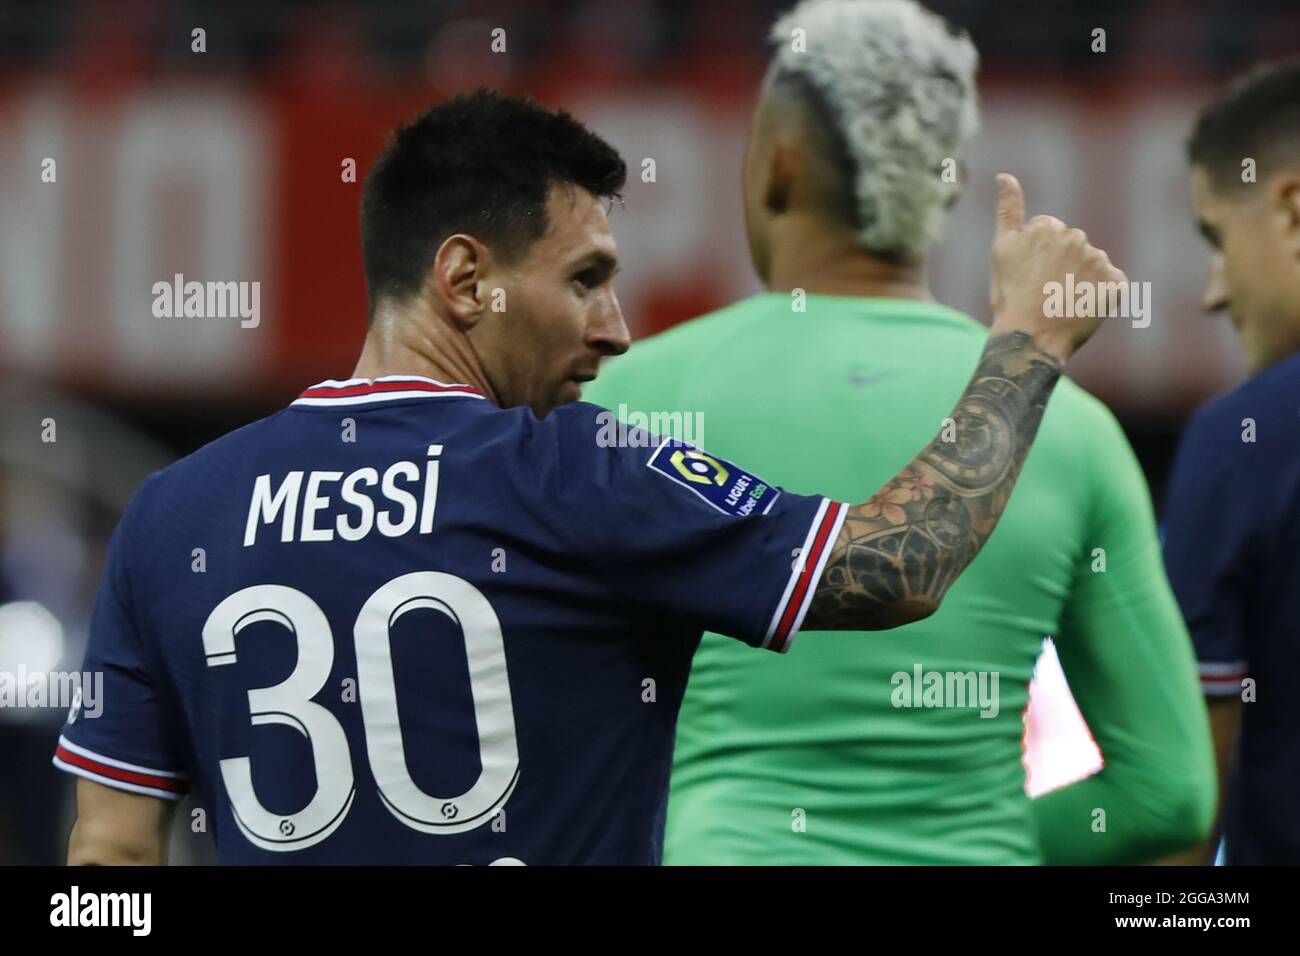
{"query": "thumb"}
pixel 1011 204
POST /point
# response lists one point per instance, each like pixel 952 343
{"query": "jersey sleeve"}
pixel 674 531
pixel 119 730
pixel 1206 551
pixel 1125 651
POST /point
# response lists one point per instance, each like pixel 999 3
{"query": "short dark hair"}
pixel 1258 117
pixel 481 163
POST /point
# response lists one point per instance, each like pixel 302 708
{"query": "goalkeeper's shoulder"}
pixel 1083 453
pixel 1083 430
pixel 1074 407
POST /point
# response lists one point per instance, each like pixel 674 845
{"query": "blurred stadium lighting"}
pixel 31 644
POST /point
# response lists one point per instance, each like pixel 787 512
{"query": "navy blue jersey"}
pixel 394 623
pixel 1232 547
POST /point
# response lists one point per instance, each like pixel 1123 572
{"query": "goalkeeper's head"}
pixel 858 136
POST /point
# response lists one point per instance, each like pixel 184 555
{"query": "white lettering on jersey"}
pixel 358 494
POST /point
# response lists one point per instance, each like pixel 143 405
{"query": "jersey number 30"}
pixel 289 703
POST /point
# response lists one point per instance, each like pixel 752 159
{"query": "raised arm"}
pixel 899 551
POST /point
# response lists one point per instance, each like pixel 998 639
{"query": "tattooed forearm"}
pixel 898 552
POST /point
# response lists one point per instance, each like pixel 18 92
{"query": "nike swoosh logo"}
pixel 861 380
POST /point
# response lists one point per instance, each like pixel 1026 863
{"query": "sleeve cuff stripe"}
pixel 115 783
pixel 1222 678
pixel 841 512
pixel 1230 669
pixel 816 548
pixel 89 754
pixel 171 783
pixel 794 573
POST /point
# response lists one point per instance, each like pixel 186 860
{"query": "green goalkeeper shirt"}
pixel 906 746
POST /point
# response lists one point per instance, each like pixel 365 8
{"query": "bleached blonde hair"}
pixel 899 84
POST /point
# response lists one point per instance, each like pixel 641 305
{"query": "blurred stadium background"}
pixel 228 165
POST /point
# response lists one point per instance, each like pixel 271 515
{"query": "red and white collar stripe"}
pixel 388 388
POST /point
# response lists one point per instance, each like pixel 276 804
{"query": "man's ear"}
pixel 457 278
pixel 1286 203
pixel 783 163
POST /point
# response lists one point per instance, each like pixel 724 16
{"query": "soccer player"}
pixel 910 753
pixel 1232 518
pixel 427 614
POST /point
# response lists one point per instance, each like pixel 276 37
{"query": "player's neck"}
pixel 398 344
pixel 824 266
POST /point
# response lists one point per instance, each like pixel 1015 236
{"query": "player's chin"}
pixel 571 391
pixel 566 392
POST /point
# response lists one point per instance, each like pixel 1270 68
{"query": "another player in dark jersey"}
pixel 1232 542
pixel 443 613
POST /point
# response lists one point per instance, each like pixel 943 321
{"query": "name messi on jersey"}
pixel 298 501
